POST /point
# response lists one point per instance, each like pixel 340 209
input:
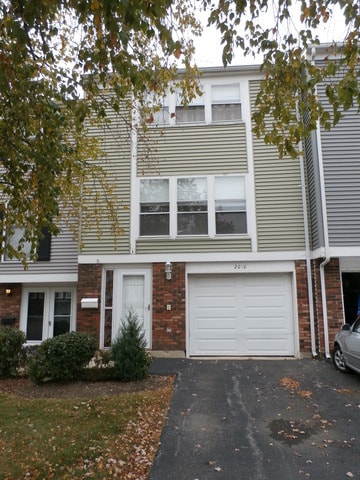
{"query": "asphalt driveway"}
pixel 259 420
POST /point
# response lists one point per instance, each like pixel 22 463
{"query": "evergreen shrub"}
pixel 128 351
pixel 62 358
pixel 11 342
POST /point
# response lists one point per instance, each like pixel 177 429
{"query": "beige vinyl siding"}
pixel 116 145
pixel 193 150
pixel 279 215
pixel 193 245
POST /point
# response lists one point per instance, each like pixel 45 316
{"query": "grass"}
pixel 111 437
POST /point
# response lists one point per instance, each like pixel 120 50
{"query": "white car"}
pixel 346 354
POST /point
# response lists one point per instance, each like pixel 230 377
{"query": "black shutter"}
pixel 44 250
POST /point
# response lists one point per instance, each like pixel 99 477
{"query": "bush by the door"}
pixel 11 341
pixel 131 360
pixel 62 358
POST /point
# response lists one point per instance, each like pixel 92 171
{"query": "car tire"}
pixel 338 360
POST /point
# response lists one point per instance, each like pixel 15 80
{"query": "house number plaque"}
pixel 240 266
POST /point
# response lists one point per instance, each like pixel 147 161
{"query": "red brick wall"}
pixel 89 286
pixel 10 305
pixel 168 326
pixel 303 306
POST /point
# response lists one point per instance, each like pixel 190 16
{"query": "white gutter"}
pixel 326 236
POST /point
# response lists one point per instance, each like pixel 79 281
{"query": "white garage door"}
pixel 246 315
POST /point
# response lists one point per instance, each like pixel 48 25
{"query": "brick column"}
pixel 89 286
pixel 168 326
pixel 303 306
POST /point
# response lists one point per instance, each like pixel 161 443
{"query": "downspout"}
pixel 326 235
pixel 307 255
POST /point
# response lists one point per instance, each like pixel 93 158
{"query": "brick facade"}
pixel 89 286
pixel 10 305
pixel 168 326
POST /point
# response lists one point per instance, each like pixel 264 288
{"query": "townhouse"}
pixel 226 249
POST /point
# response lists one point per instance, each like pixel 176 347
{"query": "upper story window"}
pixel 218 103
pixel 225 103
pixel 230 205
pixel 12 238
pixel 154 207
pixel 192 113
pixel 192 215
pixel 193 206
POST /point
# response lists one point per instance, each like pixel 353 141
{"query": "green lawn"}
pixel 111 437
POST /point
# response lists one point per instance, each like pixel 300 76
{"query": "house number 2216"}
pixel 240 266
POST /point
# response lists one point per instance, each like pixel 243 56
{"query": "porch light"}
pixel 8 292
pixel 168 270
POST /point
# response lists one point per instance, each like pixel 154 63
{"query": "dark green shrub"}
pixel 11 341
pixel 131 360
pixel 62 358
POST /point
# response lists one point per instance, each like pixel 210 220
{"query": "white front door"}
pixel 133 293
pixel 47 312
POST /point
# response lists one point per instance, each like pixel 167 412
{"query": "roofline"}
pixel 221 70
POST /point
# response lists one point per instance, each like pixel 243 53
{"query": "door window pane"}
pixel 35 316
pixel 230 205
pixel 62 312
pixel 192 217
pixel 154 207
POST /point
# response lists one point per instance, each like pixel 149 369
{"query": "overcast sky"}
pixel 209 50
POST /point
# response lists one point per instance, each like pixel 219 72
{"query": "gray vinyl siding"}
pixel 193 150
pixel 279 215
pixel 116 145
pixel 193 245
pixel 313 192
pixel 63 260
pixel 341 158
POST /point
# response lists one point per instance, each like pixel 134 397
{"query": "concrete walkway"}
pixel 259 420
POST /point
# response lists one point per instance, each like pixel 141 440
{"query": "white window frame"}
pixel 49 303
pixel 173 100
pixel 211 209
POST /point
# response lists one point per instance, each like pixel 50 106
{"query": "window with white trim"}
pixel 218 103
pixel 225 103
pixel 192 216
pixel 193 206
pixel 192 113
pixel 154 207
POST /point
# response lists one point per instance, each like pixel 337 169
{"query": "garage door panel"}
pixel 268 346
pixel 217 346
pixel 213 324
pixel 241 315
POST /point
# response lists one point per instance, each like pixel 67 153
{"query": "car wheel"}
pixel 338 360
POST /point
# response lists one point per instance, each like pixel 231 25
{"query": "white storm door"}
pixel 134 294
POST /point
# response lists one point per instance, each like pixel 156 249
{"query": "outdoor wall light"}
pixel 8 292
pixel 168 270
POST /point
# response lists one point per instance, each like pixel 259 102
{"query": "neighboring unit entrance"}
pixel 245 314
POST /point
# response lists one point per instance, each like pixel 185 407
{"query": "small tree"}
pixel 131 360
pixel 11 341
